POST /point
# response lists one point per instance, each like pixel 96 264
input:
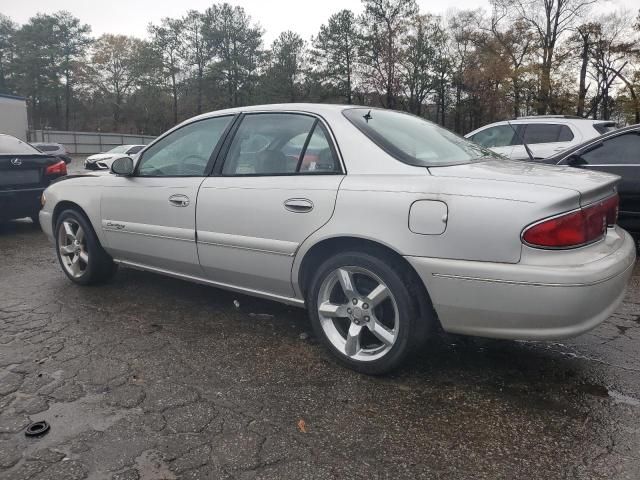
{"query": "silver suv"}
pixel 544 135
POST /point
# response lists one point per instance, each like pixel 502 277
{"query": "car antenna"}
pixel 368 116
pixel 526 147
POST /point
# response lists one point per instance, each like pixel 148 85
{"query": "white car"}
pixel 545 135
pixel 103 161
pixel 382 224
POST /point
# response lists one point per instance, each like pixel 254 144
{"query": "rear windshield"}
pixel 414 140
pixel 119 149
pixel 604 127
pixel 12 146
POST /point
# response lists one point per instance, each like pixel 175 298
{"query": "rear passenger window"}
pixel 280 144
pixel 622 149
pixel 533 133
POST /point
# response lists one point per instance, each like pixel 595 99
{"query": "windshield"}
pixel 119 149
pixel 12 146
pixel 413 140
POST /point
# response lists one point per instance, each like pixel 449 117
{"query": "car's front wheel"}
pixel 81 256
pixel 361 307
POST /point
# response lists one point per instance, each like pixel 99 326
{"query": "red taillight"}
pixel 59 168
pixel 575 228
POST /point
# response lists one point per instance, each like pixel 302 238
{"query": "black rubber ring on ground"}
pixel 36 429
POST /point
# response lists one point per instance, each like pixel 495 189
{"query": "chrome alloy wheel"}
pixel 73 248
pixel 358 313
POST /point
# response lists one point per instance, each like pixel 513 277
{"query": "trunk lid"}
pixel 24 171
pixel 591 186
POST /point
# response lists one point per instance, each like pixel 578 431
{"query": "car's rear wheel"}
pixel 80 254
pixel 362 309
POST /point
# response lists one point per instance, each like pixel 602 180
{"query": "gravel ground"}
pixel 154 378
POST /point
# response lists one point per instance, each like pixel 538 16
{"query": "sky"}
pixel 131 17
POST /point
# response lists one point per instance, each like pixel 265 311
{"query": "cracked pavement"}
pixel 149 377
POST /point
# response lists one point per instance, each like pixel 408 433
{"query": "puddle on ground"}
pixel 604 392
pixel 69 419
pixel 622 398
pixel 150 466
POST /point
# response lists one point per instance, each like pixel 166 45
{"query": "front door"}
pixel 278 185
pixel 149 218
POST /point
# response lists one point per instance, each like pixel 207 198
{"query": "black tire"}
pixel 35 219
pixel 413 328
pixel 100 266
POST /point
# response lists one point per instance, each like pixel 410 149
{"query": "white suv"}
pixel 545 135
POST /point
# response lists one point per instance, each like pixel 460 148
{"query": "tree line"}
pixel 462 70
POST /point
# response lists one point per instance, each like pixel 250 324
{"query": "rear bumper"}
pixel 533 302
pixel 19 203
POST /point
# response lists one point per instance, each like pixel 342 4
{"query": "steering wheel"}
pixel 195 168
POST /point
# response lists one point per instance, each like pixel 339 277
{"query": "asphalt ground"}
pixel 149 377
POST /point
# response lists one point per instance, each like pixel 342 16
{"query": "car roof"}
pixel 560 155
pixel 317 108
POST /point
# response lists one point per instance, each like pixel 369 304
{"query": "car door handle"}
pixel 298 205
pixel 179 200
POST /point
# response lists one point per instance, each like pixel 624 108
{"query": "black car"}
pixel 24 174
pixel 614 152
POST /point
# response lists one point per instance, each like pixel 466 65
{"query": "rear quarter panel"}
pixel 484 223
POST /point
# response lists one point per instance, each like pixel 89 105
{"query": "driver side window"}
pixel 184 152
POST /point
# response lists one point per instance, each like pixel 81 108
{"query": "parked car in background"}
pixel 545 135
pixel 103 161
pixel 24 174
pixel 391 225
pixel 615 152
pixel 55 149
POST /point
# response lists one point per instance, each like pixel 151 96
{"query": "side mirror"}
pixel 122 166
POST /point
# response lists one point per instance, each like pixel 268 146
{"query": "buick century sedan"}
pixel 383 225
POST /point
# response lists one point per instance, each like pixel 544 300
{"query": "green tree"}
pixel 335 52
pixel 383 23
pixel 37 69
pixel 286 67
pixel 166 42
pixel 236 44
pixel 419 61
pixel 71 40
pixel 196 50
pixel 7 51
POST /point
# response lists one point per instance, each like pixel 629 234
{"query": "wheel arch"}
pixel 315 254
pixel 63 205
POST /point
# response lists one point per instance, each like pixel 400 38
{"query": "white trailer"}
pixel 13 116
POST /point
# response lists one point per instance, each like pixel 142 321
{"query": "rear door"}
pixel 619 155
pixel 277 185
pixel 543 139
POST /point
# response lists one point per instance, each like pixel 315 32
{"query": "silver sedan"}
pixel 381 224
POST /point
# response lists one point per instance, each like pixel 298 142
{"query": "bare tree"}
pixel 550 19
